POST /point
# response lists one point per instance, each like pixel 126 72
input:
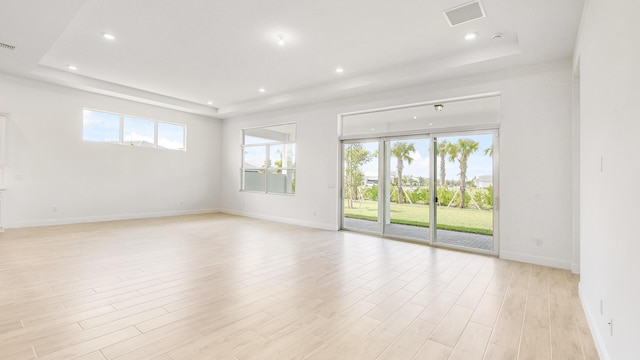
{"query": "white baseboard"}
pixel 597 336
pixel 538 260
pixel 102 218
pixel 311 224
pixel 575 268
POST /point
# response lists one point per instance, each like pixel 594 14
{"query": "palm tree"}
pixel 443 150
pixel 460 151
pixel 489 151
pixel 402 151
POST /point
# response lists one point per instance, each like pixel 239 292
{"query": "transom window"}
pixel 100 126
pixel 269 159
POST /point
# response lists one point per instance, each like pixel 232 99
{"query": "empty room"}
pixel 319 179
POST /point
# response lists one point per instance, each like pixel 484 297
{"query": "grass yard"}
pixel 467 220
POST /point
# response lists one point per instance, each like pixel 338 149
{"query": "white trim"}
pixel 3 138
pixel 424 132
pixel 575 268
pixel 424 103
pixel 49 75
pixel 597 336
pixel 311 224
pixel 538 260
pixel 89 219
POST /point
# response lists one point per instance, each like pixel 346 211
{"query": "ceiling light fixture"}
pixel 415 117
pixel 262 90
pixel 339 70
pixel 470 36
pixel 209 102
pixel 72 67
pixel 109 36
pixel 438 107
pixel 280 40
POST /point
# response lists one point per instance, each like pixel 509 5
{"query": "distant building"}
pixel 484 181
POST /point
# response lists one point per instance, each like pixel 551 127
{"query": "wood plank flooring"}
pixel 226 287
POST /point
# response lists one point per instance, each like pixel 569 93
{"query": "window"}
pixel 269 159
pixel 170 136
pixel 103 126
pixel 100 126
pixel 138 132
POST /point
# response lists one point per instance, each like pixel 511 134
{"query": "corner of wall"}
pixel 311 224
pixel 575 268
pixel 597 336
pixel 538 260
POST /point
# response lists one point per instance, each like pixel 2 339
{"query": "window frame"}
pixel 121 130
pixel 267 167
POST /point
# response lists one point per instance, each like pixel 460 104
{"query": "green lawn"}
pixel 467 220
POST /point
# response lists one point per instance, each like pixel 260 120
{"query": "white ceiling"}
pixel 182 54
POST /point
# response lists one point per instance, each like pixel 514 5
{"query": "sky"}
pixel 478 163
pixel 100 126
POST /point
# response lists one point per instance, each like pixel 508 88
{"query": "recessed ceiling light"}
pixel 430 124
pixel 209 102
pixel 262 90
pixel 438 107
pixel 108 36
pixel 470 36
pixel 339 70
pixel 72 67
pixel 415 117
pixel 280 40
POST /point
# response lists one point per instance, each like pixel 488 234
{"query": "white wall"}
pixel 47 165
pixel 609 58
pixel 535 158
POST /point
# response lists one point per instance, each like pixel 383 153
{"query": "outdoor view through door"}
pixel 400 185
pixel 407 179
pixel 464 191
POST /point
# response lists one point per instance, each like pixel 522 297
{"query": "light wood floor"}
pixel 225 287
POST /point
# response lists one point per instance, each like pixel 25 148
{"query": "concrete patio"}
pixel 456 238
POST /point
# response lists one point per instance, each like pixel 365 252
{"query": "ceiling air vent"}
pixel 7 46
pixel 464 13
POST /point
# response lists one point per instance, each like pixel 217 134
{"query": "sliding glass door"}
pixel 360 188
pixel 464 189
pixel 399 186
pixel 407 195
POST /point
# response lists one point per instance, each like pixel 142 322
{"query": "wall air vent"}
pixel 464 13
pixel 7 46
